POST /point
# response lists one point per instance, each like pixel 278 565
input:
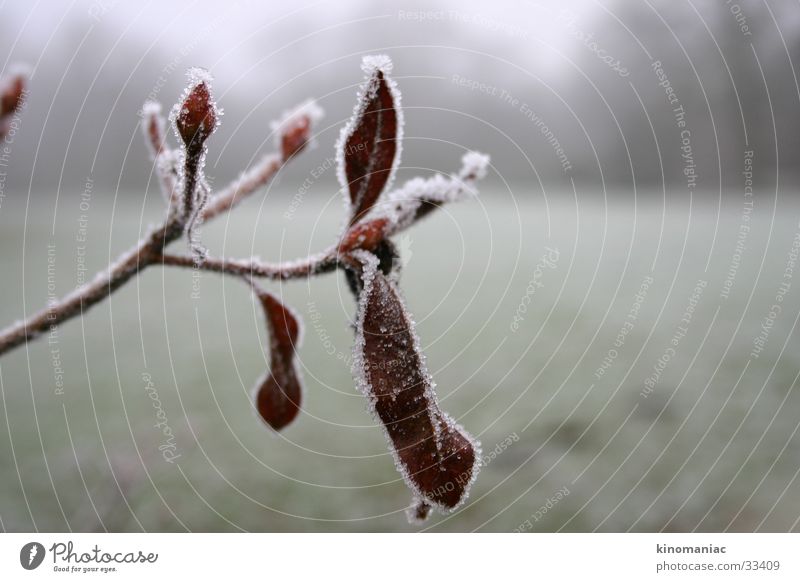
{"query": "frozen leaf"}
pixel 368 150
pixel 279 392
pixel 437 458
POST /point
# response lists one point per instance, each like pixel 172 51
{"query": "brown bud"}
pixel 293 131
pixel 295 137
pixel 12 94
pixel 197 116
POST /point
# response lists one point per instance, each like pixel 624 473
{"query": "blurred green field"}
pixel 714 446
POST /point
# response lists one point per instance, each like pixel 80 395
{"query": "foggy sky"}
pixel 555 92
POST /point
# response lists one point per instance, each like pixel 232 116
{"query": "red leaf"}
pixel 437 458
pixel 369 145
pixel 279 392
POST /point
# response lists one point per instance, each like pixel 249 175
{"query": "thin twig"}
pixel 314 265
pixel 245 185
pixel 150 251
pixel 84 297
pixel 163 157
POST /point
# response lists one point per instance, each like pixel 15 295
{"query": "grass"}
pixel 713 446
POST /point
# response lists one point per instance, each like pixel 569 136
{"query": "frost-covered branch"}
pixel 279 391
pixel 194 117
pixel 437 458
pixel 368 150
pixel 164 159
pixel 104 284
pixel 254 267
pixel 420 196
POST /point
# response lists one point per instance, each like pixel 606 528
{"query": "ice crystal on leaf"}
pixel 368 150
pixel 437 458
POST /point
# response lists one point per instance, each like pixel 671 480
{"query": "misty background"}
pixel 95 63
pixel 602 314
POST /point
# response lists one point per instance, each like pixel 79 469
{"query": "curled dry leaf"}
pixel 368 150
pixel 278 393
pixel 437 458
